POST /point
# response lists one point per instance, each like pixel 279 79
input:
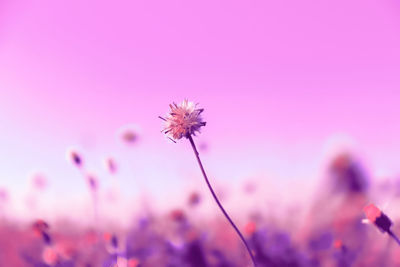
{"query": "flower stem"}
pixel 394 236
pixel 216 199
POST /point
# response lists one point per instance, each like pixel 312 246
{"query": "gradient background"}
pixel 280 82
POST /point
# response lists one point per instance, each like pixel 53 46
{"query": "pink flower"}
pixel 183 120
pixel 372 212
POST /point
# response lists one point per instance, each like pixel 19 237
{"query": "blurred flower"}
pixel 111 238
pixel 376 216
pixel 372 212
pixel 90 237
pixel 50 256
pixel 92 181
pixel 347 174
pixel 194 199
pixel 250 228
pixel 74 157
pixel 381 220
pixel 112 244
pixel 40 228
pixel 183 120
pixel 129 137
pixel 178 215
pixel 338 244
pixel 107 236
pixel 123 262
pixel 129 134
pixel 133 262
pixel 111 165
pixel 40 225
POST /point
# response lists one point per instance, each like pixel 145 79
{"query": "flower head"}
pixel 376 216
pixel 40 226
pixel 194 199
pixel 92 181
pixel 372 212
pixel 74 157
pixel 183 120
pixel 129 134
pixel 111 165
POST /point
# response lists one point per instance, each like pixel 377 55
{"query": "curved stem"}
pixel 216 200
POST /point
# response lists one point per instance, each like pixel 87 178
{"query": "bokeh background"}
pixel 285 85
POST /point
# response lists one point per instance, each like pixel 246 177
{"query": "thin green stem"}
pixel 216 199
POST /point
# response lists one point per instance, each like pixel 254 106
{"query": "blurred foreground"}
pixel 329 232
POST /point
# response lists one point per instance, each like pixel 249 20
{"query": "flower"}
pixel 92 181
pixel 183 120
pixel 194 199
pixel 50 256
pixel 372 212
pixel 40 226
pixel 376 216
pixel 74 157
pixel 111 165
pixel 129 134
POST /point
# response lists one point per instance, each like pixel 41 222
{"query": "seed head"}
pixel 183 120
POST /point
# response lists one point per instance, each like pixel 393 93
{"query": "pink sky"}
pixel 277 80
